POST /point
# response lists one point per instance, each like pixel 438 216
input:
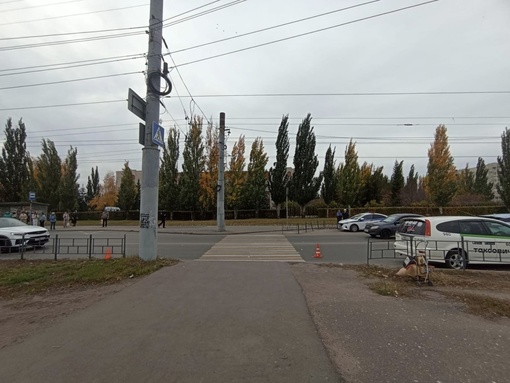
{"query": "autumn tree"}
pixel 441 181
pixel 93 184
pixel 107 193
pixel 482 185
pixel 48 174
pixel 397 183
pixel 466 181
pixel 278 175
pixel 349 177
pixel 126 196
pixel 192 166
pixel 236 176
pixel 254 189
pixel 364 194
pixel 15 164
pixel 304 186
pixel 410 190
pixel 209 177
pixel 138 197
pixel 69 187
pixel 503 187
pixel 372 184
pixel 329 185
pixel 169 191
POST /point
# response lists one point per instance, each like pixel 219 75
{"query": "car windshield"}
pixel 358 216
pixel 11 222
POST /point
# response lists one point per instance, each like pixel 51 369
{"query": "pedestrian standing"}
pixel 104 217
pixel 338 218
pixel 42 219
pixel 35 220
pixel 53 220
pixel 65 218
pixel 345 214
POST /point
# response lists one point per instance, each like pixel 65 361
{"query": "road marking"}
pixel 253 247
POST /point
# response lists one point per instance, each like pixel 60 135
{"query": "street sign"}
pixel 141 134
pixel 158 134
pixel 136 104
pixel 31 196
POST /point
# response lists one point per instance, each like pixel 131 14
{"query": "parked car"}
pixel 453 239
pixel 358 221
pixel 505 217
pixel 13 233
pixel 388 226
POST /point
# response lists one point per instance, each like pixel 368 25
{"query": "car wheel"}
pixel 385 234
pixel 455 259
pixel 354 228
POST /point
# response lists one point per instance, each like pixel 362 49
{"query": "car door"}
pixel 495 247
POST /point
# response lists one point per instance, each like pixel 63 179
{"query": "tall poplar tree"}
pixel 126 196
pixel 329 185
pixel 93 184
pixel 107 193
pixel 236 176
pixel 503 187
pixel 349 177
pixel 410 190
pixel 15 164
pixel 304 185
pixel 482 185
pixel 192 166
pixel 209 177
pixel 278 175
pixel 466 181
pixel 397 183
pixel 169 191
pixel 254 189
pixel 69 187
pixel 441 181
pixel 48 174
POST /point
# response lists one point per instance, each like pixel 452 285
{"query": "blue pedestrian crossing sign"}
pixel 158 134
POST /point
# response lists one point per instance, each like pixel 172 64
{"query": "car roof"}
pixel 441 218
pixel 405 215
pixel 497 216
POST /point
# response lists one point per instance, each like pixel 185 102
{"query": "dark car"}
pixel 388 226
pixel 505 217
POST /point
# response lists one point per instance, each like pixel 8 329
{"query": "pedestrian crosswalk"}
pixel 253 247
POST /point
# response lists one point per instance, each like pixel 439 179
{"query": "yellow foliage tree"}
pixel 107 195
pixel 209 178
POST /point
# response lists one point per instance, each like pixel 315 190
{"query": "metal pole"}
pixel 220 206
pixel 148 244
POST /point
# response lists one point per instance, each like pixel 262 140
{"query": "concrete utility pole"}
pixel 148 243
pixel 220 208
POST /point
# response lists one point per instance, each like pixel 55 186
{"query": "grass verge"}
pixel 38 277
pixel 471 287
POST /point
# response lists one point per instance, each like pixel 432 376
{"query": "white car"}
pixel 453 239
pixel 14 233
pixel 357 222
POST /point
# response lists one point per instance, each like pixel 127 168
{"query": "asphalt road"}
pixel 190 243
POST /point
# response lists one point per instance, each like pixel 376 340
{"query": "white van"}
pixel 450 239
pixel 112 208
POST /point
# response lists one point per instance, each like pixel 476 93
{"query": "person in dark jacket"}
pixel 163 219
pixel 345 214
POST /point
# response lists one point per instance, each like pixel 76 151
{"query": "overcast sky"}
pixel 440 47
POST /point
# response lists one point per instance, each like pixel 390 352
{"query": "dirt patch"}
pixel 24 315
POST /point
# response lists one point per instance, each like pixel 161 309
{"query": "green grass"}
pixel 33 277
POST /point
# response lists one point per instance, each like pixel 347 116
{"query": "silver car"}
pixel 14 234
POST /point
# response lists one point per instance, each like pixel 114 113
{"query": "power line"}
pixel 275 26
pixel 75 14
pixel 72 33
pixel 309 33
pixel 191 10
pixel 40 6
pixel 424 93
pixel 132 57
pixel 67 81
pixel 63 105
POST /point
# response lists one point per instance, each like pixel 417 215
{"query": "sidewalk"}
pixel 194 322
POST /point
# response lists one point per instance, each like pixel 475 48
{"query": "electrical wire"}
pixel 72 33
pixel 68 81
pixel 63 105
pixel 40 6
pixel 191 10
pixel 274 27
pixel 310 32
pixel 75 14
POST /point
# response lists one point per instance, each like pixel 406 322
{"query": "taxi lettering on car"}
pixel 453 239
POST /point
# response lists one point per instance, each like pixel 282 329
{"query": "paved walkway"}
pixel 194 322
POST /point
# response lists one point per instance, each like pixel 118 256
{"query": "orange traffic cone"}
pixel 108 254
pixel 317 251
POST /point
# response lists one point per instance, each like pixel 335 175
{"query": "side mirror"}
pixel 362 219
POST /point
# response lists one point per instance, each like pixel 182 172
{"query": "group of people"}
pixel 340 215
